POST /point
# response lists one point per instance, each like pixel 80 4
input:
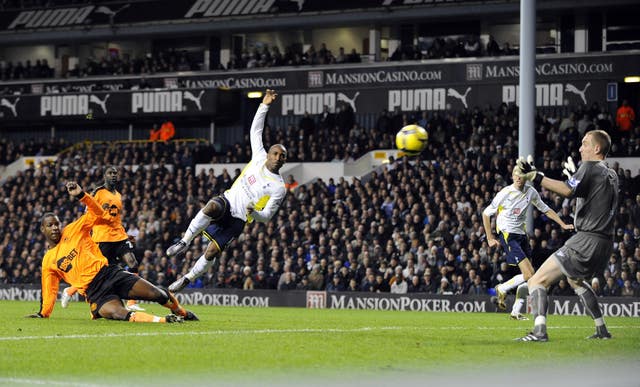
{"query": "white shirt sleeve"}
pixel 495 203
pixel 537 201
pixel 271 207
pixel 257 126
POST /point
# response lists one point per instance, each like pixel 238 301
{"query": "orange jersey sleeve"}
pixel 76 259
pixel 109 227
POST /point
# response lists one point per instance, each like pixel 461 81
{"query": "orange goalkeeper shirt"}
pixel 109 228
pixel 76 258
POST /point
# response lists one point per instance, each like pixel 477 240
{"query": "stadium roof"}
pixel 178 18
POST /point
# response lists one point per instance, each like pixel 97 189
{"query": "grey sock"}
pixel 539 304
pixel 589 300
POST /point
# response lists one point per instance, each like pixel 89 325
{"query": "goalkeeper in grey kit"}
pixel 586 253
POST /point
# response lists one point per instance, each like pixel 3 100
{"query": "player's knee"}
pixel 522 291
pixel 161 296
pixel 211 209
pixel 210 255
pixel 118 314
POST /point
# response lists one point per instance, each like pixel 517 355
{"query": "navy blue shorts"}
pixel 516 246
pixel 111 283
pixel 226 228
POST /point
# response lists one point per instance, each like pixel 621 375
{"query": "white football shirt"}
pixel 511 206
pixel 256 186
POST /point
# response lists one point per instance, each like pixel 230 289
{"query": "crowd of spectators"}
pixel 452 47
pixel 159 62
pixel 259 56
pixel 413 225
pixel 293 55
pixel 249 58
pixel 10 151
pixel 41 69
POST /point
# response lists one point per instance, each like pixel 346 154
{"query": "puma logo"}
pixel 462 97
pixel 188 95
pixel 12 106
pixel 572 89
pixel 350 101
pixel 99 102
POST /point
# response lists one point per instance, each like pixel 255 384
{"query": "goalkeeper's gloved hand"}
pixel 569 167
pixel 527 170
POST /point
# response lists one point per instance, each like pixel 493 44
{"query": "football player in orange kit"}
pixel 75 258
pixel 109 233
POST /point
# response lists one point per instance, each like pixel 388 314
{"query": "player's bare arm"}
pixel 557 186
pixel 554 216
pixel 269 97
pixel 491 239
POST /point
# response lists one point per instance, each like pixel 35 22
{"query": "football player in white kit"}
pixel 511 204
pixel 255 195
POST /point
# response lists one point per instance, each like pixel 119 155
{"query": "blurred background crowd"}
pixel 412 225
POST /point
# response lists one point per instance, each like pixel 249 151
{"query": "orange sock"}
pixel 146 318
pixel 71 291
pixel 174 306
pixel 132 302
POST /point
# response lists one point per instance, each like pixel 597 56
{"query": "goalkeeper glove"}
pixel 569 167
pixel 526 170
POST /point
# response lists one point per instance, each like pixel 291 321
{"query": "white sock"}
pixel 517 306
pixel 512 283
pixel 197 225
pixel 202 266
pixel 599 321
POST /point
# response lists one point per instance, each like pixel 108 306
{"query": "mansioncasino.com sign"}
pixel 563 80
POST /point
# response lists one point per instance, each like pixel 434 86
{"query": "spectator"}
pixel 336 284
pixel 611 289
pixel 167 131
pixel 625 117
pixel 477 287
pixel 493 49
pixel 399 286
pixel 627 290
pixel 562 289
pixel 154 133
pixel 291 184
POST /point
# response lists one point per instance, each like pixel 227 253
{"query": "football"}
pixel 412 139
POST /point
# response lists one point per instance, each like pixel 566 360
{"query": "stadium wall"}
pixel 434 85
pixel 417 302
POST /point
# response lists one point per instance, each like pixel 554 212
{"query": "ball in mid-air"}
pixel 412 139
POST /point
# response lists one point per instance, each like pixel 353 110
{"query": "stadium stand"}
pixel 416 219
pixel 419 215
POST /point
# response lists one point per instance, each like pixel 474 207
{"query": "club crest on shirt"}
pixel 573 182
pixel 251 179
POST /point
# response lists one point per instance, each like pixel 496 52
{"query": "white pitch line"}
pixel 40 382
pixel 275 331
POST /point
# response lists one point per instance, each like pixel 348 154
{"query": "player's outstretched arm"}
pixel 551 214
pixel 94 209
pixel 257 125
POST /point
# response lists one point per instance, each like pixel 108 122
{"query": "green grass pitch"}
pixel 295 346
